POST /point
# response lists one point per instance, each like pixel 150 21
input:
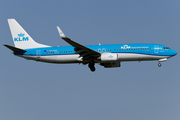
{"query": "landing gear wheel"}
pixel 93 69
pixel 159 64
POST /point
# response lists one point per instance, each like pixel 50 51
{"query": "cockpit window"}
pixel 166 48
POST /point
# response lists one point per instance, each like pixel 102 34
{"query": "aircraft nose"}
pixel 173 53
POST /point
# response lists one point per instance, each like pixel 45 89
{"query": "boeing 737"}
pixel 109 56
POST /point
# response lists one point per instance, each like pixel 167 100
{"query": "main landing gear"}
pixel 91 66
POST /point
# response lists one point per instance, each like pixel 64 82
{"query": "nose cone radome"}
pixel 173 53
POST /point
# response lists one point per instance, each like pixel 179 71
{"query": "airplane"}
pixel 109 56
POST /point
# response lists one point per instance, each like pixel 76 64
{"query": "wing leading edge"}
pixel 83 51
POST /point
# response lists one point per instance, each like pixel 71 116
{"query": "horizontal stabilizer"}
pixel 15 49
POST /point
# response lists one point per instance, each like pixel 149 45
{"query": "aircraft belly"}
pixel 60 58
pixel 138 57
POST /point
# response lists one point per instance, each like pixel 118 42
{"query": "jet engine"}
pixel 109 57
pixel 111 64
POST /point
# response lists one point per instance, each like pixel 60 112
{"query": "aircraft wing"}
pixel 83 51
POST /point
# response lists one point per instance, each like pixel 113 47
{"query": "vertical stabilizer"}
pixel 21 38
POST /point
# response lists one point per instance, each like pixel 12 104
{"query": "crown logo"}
pixel 21 35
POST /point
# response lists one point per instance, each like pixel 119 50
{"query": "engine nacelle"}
pixel 111 64
pixel 109 57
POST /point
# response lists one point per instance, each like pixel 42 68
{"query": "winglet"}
pixel 60 32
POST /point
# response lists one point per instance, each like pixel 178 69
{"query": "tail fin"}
pixel 21 38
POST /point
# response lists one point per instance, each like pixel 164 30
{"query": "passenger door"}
pixel 156 49
pixel 38 54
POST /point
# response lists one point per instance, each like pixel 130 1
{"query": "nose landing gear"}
pixel 91 66
pixel 159 64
